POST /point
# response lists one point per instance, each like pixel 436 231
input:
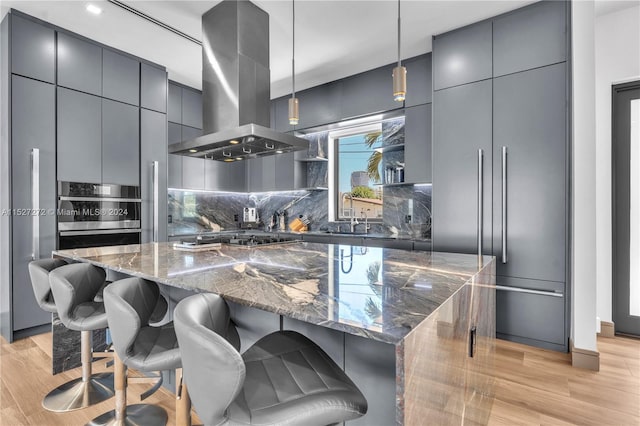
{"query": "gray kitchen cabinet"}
pixel 32 126
pixel 530 121
pixel 319 105
pixel 192 108
pixel 153 147
pixel 417 144
pixel 174 172
pixel 32 49
pixel 531 312
pixel 79 64
pixel 261 174
pixel 153 88
pixel 120 77
pixel 120 143
pixel 174 113
pixel 188 133
pixel 530 37
pixel 284 172
pixel 193 173
pixel 419 84
pixel 175 133
pixel 462 56
pixel 214 172
pixel 79 153
pixel 281 111
pixel 220 176
pixel 461 126
pixel 367 93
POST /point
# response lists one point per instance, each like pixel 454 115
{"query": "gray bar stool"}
pixel 74 287
pixel 130 304
pixel 39 273
pixel 283 379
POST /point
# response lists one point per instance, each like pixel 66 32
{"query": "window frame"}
pixel 334 164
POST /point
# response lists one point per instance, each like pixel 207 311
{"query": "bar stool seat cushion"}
pixel 291 381
pixel 74 287
pixel 156 348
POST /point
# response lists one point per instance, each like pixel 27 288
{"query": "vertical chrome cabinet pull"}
pixel 154 166
pixel 504 204
pixel 480 199
pixel 35 204
pixel 472 341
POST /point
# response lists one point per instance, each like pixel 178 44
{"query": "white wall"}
pixel 583 262
pixel 617 59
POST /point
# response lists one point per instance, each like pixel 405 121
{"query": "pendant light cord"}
pixel 293 50
pixel 398 32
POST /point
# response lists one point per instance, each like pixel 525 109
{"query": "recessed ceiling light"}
pixel 94 9
pixel 239 158
pixel 228 160
pixel 193 150
pixel 234 142
pixel 279 151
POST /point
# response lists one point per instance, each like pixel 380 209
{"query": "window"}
pixel 354 171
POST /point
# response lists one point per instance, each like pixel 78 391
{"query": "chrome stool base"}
pixel 137 415
pixel 77 394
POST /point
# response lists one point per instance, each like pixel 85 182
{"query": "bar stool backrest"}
pixel 129 304
pixel 39 273
pixel 73 285
pixel 213 369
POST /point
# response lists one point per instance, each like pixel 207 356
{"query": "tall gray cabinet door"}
pixel 530 121
pixel 153 147
pixel 153 88
pixel 33 126
pixel 530 37
pixel 461 127
pixel 32 49
pixel 79 152
pixel 284 178
pixel 175 133
pixel 120 77
pixel 120 143
pixel 417 144
pixel 79 64
pixel 255 182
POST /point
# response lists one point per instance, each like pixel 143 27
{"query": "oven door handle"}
pixel 156 205
pixel 99 232
pixel 35 204
pixel 106 199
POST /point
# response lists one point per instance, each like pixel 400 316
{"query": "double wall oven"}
pixel 93 215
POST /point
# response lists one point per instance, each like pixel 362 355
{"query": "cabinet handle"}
pixel 472 341
pixel 529 291
pixel 154 166
pixel 480 199
pixel 504 204
pixel 35 203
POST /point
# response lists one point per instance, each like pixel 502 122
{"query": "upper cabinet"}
pixel 419 85
pixel 120 143
pixel 185 106
pixel 192 108
pixel 368 93
pixel 462 56
pixel 153 88
pixel 529 38
pixel 417 144
pixel 79 64
pixel 32 49
pixel 120 78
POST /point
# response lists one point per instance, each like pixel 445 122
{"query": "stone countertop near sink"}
pixel 301 234
pixel 389 294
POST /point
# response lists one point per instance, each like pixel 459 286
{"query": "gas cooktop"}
pixel 247 240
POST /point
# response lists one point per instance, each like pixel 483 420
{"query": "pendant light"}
pixel 293 102
pixel 399 72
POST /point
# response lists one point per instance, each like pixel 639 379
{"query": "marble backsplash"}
pixel 406 208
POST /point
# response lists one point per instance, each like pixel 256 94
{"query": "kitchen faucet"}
pixel 353 221
pixel 365 216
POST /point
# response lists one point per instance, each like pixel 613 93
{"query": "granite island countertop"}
pixel 377 293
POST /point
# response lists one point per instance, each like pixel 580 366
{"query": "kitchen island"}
pixel 428 318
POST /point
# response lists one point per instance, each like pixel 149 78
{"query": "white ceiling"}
pixel 334 39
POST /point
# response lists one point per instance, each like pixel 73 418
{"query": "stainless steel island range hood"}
pixel 236 88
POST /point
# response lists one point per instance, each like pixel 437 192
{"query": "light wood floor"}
pixel 533 386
